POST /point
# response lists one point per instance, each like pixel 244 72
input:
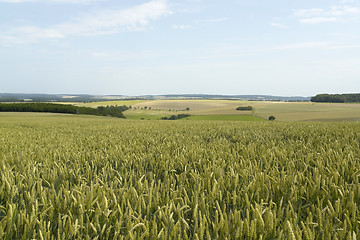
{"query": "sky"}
pixel 138 47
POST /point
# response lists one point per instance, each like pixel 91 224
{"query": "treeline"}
pixel 337 98
pixel 11 99
pixel 113 111
pixel 243 108
pixel 176 117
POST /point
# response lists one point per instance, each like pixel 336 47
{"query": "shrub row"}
pixel 176 117
pixel 243 108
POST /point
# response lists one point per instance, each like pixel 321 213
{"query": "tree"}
pixel 175 117
pixel 243 108
pixel 271 118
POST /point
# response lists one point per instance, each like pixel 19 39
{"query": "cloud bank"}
pixel 48 1
pixel 320 15
pixel 100 23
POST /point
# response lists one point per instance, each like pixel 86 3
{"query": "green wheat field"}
pixel 88 177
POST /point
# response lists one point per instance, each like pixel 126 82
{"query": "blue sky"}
pixel 123 47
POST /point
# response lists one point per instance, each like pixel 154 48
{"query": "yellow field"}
pixel 286 111
pixel 283 111
pixel 110 103
pixel 198 107
pixel 149 114
pixel 26 117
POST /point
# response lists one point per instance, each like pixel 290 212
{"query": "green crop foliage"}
pixel 75 177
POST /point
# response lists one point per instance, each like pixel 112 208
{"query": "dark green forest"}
pixel 113 111
pixel 176 117
pixel 337 98
pixel 243 108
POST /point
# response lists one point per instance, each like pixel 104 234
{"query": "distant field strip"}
pixel 110 103
pixel 283 111
pixel 227 117
pixel 203 107
pixel 87 177
pixel 308 111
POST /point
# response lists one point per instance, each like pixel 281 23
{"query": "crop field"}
pixel 238 117
pixel 226 109
pixel 89 177
pixel 283 111
pixel 197 107
pixel 149 114
pixel 110 103
pixel 287 111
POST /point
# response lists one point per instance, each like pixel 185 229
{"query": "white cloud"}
pixel 317 45
pixel 278 25
pixel 303 45
pixel 48 1
pixel 181 26
pixel 319 20
pixel 100 23
pixel 212 20
pixel 319 15
pixel 347 1
pixel 117 55
pixel 304 13
pixel 345 46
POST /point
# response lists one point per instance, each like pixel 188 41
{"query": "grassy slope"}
pixel 199 109
pixel 227 117
pixel 225 109
pixel 283 111
pixel 149 114
pixel 308 111
pixel 110 103
pixel 27 117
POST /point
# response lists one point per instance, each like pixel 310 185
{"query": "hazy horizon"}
pixel 158 47
pixel 166 94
